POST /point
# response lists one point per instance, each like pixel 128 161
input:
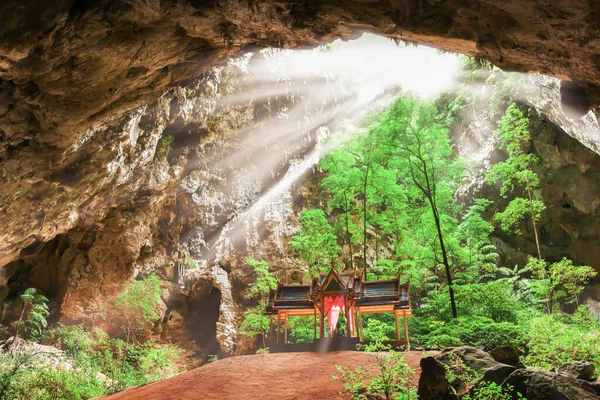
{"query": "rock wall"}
pixel 187 187
pixel 212 172
pixel 71 65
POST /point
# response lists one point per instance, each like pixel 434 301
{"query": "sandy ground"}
pixel 264 376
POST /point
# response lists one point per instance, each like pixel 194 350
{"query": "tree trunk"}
pixel 445 259
pixel 365 224
pixel 16 337
pixel 537 244
pixel 348 237
pixel 126 344
pixel 537 239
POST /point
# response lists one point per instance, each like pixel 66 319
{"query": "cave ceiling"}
pixel 69 65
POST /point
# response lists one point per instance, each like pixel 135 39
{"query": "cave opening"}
pixel 240 148
pixel 203 315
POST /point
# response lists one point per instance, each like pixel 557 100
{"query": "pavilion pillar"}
pixel 360 326
pixel 285 334
pixel 278 325
pixel 347 314
pixel 406 331
pixel 315 323
pixel 397 327
pixel 322 326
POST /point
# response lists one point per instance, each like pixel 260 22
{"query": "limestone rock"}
pixel 579 370
pixel 434 382
pixel 540 385
pixel 507 355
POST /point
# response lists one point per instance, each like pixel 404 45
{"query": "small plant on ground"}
pixel 33 315
pixel 460 376
pixel 390 382
pixel 212 358
pixel 492 391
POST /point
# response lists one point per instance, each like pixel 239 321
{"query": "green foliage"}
pixel 98 365
pixel 33 314
pixel 50 383
pixel 12 367
pixel 263 282
pixel 459 375
pixel 212 358
pixel 316 242
pixel 379 328
pixel 255 321
pixel 390 382
pixel 474 331
pixel 492 391
pixel 554 339
pixel 301 330
pixel 136 306
pixel 163 146
pixel 517 172
pixel 569 279
pixel 516 211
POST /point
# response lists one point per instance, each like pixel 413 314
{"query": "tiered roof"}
pixel 365 293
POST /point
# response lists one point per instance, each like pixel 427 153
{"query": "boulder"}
pixel 534 384
pixel 578 370
pixel 507 355
pixel 454 370
pixel 479 361
pixel 433 383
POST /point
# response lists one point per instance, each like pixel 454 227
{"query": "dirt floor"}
pixel 264 376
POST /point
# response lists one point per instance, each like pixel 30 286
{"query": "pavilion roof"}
pixel 365 293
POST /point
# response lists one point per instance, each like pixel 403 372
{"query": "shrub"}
pixel 474 331
pixel 556 339
pixel 49 383
pixel 301 330
pixel 163 146
pixel 212 358
pixel 491 391
pixel 391 381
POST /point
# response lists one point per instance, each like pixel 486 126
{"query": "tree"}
pixel 316 243
pixel 424 154
pixel 569 280
pixel 33 314
pixel 472 246
pixel 135 307
pixel 341 183
pixel 255 321
pixel 516 173
pixel 263 282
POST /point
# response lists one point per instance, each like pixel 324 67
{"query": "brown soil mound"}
pixel 264 376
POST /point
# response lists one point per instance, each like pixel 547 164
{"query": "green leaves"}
pixel 136 305
pixel 516 211
pixel 516 173
pixel 391 381
pixel 35 311
pixel 255 321
pixel 316 243
pixel 263 282
pixel 569 280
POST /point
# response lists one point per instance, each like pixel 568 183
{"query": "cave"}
pixel 203 314
pixel 175 157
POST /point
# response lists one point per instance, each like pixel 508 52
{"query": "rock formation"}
pixel 120 142
pixel 457 371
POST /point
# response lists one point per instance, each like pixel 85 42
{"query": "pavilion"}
pixel 341 292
